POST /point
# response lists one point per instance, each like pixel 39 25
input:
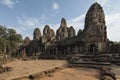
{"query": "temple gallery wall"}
pixel 92 39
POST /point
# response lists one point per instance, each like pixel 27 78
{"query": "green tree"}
pixel 14 40
pixel 9 40
pixel 3 37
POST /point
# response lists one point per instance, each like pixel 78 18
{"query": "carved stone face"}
pixel 95 24
pixel 37 34
pixel 63 23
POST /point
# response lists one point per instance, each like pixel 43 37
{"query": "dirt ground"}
pixel 24 68
pixel 74 74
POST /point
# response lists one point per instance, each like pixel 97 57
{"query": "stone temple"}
pixel 92 39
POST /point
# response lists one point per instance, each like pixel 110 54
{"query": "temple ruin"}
pixel 92 39
pixel 90 49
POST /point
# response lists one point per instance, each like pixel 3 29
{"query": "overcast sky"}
pixel 26 15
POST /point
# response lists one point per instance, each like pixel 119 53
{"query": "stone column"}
pixel 68 50
pixel 56 51
pixel 49 51
pixel 24 53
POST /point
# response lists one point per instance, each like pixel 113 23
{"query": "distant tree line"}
pixel 10 40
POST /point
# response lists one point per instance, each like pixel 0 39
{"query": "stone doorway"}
pixel 93 48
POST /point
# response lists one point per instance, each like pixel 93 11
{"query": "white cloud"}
pixel 23 31
pixel 28 21
pixel 9 3
pixel 77 22
pixel 19 30
pixel 31 21
pixel 102 2
pixel 113 26
pixel 55 6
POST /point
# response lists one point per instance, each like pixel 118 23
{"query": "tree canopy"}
pixel 9 39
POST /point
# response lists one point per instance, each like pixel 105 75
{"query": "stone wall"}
pixel 92 39
pixel 95 28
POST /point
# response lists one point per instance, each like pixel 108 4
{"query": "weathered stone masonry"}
pixel 92 39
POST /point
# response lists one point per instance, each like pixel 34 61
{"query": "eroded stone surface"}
pixel 64 32
pixel 95 27
pixel 48 34
pixel 71 32
pixel 92 39
pixel 27 41
pixel 37 34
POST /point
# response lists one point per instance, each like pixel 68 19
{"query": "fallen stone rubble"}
pixel 40 75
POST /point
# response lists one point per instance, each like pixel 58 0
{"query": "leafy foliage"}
pixel 9 39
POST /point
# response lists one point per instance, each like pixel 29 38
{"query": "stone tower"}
pixel 71 32
pixel 37 34
pixel 26 41
pixel 95 29
pixel 48 34
pixel 64 32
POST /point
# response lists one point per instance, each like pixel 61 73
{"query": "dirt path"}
pixel 24 68
pixel 74 74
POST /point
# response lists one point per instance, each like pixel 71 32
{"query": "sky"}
pixel 26 15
